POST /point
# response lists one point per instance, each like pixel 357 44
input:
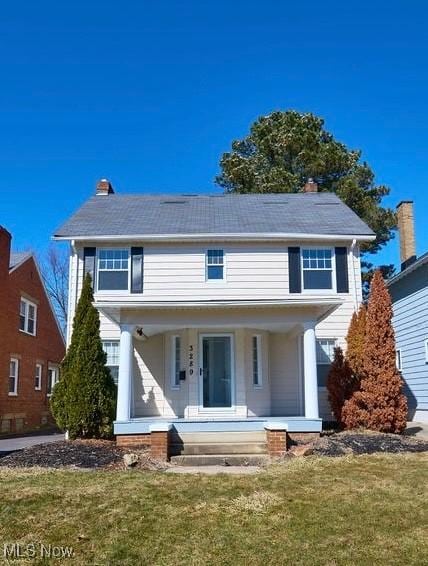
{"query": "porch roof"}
pixel 275 315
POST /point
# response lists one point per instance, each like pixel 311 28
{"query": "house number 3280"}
pixel 191 359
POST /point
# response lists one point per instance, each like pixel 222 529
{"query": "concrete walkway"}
pixel 11 444
pixel 417 430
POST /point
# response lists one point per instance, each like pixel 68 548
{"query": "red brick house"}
pixel 31 345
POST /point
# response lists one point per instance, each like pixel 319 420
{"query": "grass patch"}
pixel 350 510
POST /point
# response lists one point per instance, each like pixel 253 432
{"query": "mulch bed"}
pixel 104 454
pixel 77 454
pixel 340 444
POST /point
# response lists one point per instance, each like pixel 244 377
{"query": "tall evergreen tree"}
pixel 379 404
pixel 284 149
pixel 83 401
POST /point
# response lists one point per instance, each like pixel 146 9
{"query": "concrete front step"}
pixel 217 437
pixel 220 460
pixel 218 448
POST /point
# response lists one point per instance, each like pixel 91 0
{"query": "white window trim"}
pixel 320 363
pixel 40 367
pixel 97 259
pixel 215 281
pixel 333 289
pixel 175 385
pixel 14 393
pixel 28 303
pixel 426 350
pixel 398 359
pixel 259 383
pixel 54 367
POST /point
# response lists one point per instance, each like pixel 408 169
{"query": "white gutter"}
pixel 313 301
pixel 221 237
pixel 354 280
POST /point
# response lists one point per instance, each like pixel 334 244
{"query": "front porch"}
pixel 218 370
pixel 144 425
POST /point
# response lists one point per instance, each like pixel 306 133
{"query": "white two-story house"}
pixel 218 313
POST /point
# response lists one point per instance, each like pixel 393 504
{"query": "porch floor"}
pixel 141 425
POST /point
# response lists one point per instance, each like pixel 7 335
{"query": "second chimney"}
pixel 5 239
pixel 310 186
pixel 406 230
pixel 104 187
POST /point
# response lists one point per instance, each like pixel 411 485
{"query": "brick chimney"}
pixel 5 239
pixel 406 230
pixel 104 187
pixel 310 186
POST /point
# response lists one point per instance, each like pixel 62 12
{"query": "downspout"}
pixel 354 279
pixel 72 300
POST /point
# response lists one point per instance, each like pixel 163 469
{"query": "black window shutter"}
pixel 342 280
pixel 136 270
pixel 295 280
pixel 89 255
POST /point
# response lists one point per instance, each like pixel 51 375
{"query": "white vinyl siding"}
pixel 174 272
pixel 27 317
pixel 13 376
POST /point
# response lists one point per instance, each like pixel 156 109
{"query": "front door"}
pixel 216 369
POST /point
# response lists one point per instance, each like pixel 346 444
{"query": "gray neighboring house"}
pixel 409 292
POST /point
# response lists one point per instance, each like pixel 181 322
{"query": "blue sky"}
pixel 149 94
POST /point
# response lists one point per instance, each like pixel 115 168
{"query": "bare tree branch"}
pixel 54 267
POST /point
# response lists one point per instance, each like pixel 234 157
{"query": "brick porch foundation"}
pixel 157 440
pixel 276 439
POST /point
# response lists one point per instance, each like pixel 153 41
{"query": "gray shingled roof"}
pixel 143 215
pixel 17 257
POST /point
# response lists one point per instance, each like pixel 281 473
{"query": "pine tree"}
pixel 83 401
pixel 340 384
pixel 379 404
pixel 355 340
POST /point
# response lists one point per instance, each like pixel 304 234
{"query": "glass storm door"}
pixel 217 371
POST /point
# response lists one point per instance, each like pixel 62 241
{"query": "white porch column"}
pixel 123 411
pixel 310 371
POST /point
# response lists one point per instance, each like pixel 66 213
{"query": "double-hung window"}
pixel 53 376
pixel 215 265
pixel 27 316
pixel 325 355
pixel 38 377
pixel 13 376
pixel 257 360
pixel 113 269
pixel 317 269
pixel 111 348
pixel 398 359
pixel 176 362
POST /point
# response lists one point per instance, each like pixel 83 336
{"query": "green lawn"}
pixel 351 510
